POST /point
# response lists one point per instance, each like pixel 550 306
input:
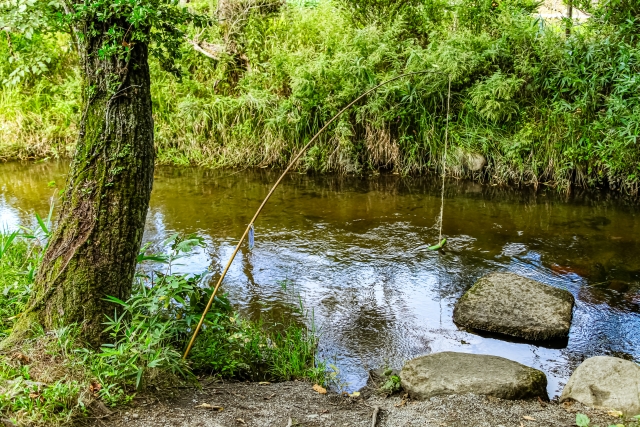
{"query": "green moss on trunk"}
pixel 93 250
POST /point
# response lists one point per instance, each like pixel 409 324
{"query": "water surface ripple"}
pixel 356 251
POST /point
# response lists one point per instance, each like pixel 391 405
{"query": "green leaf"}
pixel 582 420
pixel 171 239
pixel 42 224
pixel 139 377
pixel 156 258
pixel 6 244
pixel 115 300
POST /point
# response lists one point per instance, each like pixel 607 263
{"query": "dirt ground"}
pixel 297 404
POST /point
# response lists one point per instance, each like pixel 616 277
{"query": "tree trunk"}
pixel 92 252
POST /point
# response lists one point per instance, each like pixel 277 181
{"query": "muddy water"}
pixel 356 251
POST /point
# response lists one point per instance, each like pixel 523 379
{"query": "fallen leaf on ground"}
pixel 355 394
pixel 94 387
pixel 319 389
pixel 22 358
pixel 264 383
pixel 528 418
pixel 212 407
pixel 403 401
pixel 240 420
pixel 614 413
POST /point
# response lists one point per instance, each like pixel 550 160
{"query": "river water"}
pixel 355 251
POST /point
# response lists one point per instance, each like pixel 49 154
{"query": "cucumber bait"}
pixel 438 246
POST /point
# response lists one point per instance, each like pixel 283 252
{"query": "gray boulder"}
pixel 607 383
pixel 461 373
pixel 475 162
pixel 514 305
pixel 467 160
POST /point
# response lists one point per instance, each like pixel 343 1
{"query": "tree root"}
pixel 374 418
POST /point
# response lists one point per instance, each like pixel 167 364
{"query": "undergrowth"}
pixel 54 378
pixel 540 106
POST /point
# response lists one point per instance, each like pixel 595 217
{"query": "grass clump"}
pixel 44 381
pixel 54 378
pixel 251 350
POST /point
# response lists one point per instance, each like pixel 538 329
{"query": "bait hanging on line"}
pixel 438 246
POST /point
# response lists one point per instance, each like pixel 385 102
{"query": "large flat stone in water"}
pixel 514 305
pixel 606 382
pixel 448 373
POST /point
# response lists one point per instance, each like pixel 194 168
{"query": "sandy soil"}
pixel 261 405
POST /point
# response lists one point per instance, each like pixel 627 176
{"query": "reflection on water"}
pixel 356 248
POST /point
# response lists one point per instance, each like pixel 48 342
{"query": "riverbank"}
pixel 273 405
pixel 540 107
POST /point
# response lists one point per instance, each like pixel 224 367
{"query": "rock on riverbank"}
pixel 607 383
pixel 514 305
pixel 450 373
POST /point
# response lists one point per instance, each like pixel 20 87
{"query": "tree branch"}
pixel 69 11
pixel 203 51
pixel 6 30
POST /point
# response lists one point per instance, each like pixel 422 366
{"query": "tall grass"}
pixel 14 283
pixel 540 106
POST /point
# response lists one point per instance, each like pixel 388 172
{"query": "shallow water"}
pixel 356 251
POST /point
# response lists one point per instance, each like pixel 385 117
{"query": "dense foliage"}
pixel 258 83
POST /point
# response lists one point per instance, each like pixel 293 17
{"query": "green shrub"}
pixel 539 106
pixel 53 377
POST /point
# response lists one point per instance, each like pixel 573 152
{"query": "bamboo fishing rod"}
pixel 266 199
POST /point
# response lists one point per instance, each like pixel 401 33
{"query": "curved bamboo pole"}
pixel 266 199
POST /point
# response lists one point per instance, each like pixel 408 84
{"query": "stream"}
pixel 355 251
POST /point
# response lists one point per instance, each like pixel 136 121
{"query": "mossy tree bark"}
pixel 92 253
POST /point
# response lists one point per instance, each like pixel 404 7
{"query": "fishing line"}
pixel 444 164
pixel 444 173
pixel 441 241
pixel 249 228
